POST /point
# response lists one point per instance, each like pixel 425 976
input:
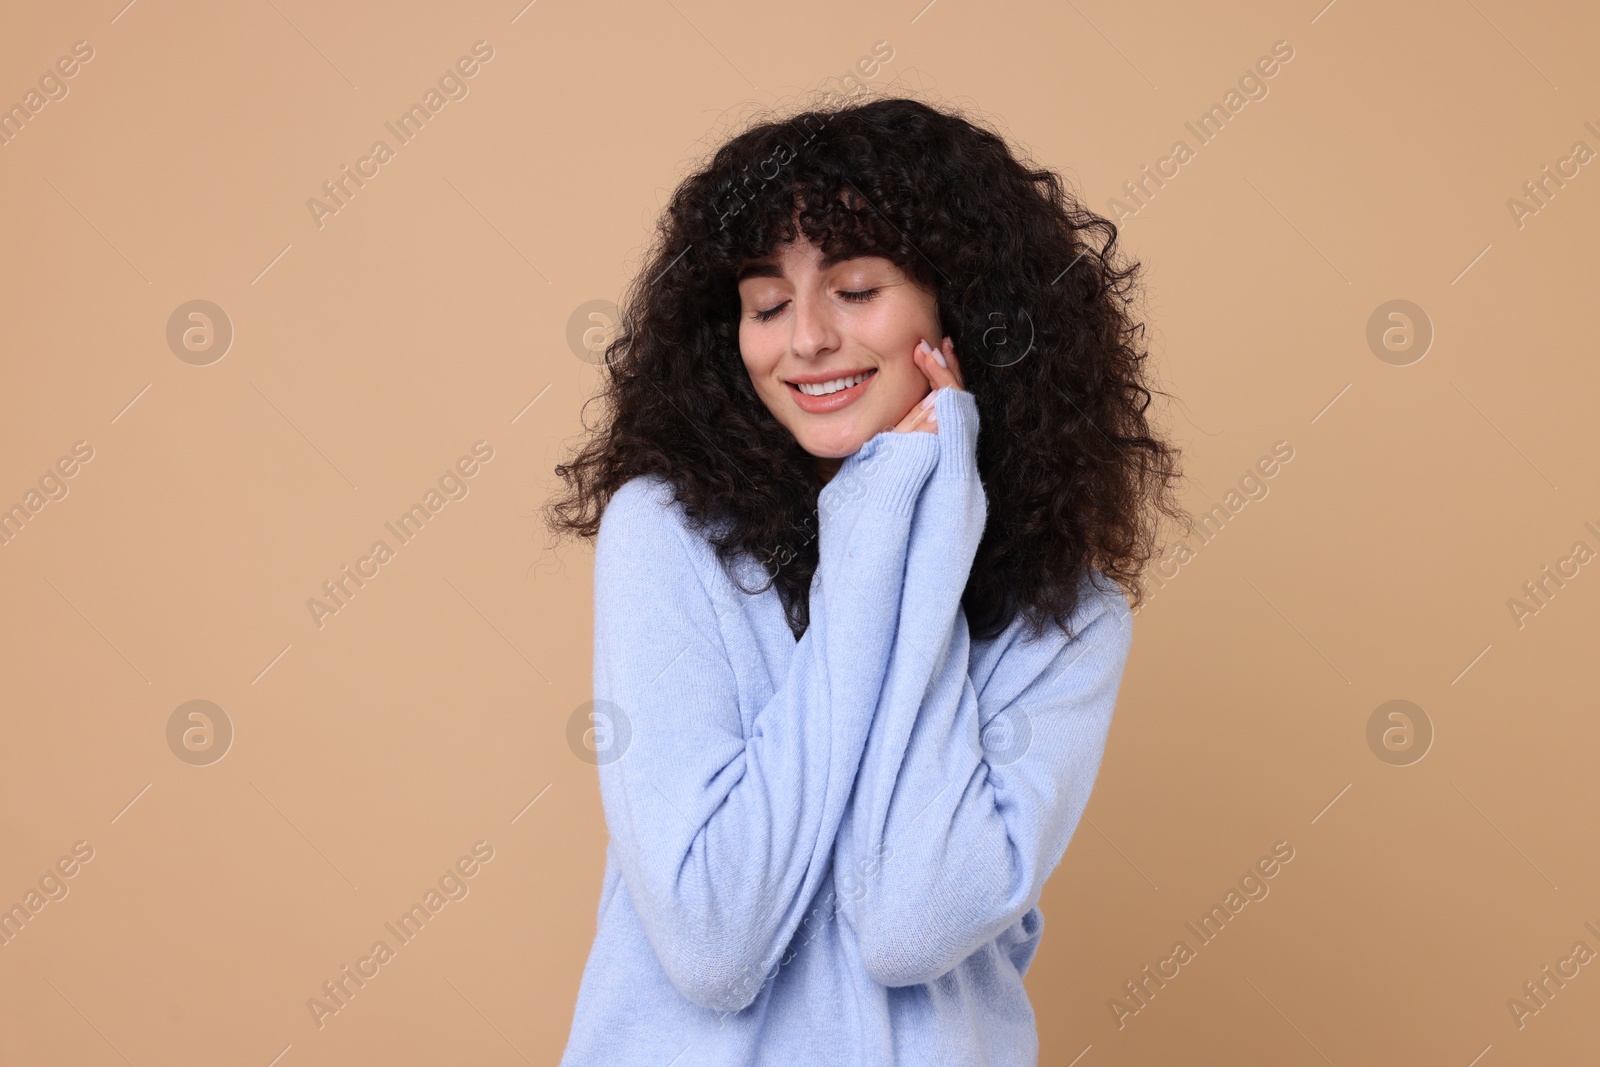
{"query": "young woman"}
pixel 858 658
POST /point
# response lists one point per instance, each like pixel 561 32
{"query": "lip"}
pixel 822 405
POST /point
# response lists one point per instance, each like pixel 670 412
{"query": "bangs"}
pixel 812 197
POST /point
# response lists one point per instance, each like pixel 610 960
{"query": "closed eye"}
pixel 856 296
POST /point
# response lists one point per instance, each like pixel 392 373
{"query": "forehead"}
pixel 771 266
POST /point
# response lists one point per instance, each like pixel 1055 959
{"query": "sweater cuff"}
pixel 957 412
pixel 887 472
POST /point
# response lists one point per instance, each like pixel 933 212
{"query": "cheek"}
pixel 901 384
pixel 898 324
pixel 754 351
pixel 760 358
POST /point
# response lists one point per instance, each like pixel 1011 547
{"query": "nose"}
pixel 815 333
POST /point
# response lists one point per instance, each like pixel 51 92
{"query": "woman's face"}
pixel 806 322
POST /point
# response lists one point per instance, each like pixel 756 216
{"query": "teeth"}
pixel 824 388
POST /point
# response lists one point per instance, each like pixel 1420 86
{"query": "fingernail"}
pixel 928 400
pixel 938 358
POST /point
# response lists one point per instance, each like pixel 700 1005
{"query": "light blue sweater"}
pixel 831 850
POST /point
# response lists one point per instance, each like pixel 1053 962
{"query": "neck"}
pixel 827 468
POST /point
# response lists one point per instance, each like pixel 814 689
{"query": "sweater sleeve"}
pixel 963 808
pixel 723 829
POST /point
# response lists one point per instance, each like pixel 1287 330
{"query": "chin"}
pixel 834 445
pixel 833 451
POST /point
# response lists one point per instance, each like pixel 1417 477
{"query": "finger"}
pixel 923 357
pixel 938 375
pixel 912 419
pixel 930 412
pixel 944 358
pixel 949 349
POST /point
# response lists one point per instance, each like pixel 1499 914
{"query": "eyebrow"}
pixel 769 269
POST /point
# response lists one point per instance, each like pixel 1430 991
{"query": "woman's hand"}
pixel 939 366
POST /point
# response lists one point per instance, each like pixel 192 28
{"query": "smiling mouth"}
pixel 835 385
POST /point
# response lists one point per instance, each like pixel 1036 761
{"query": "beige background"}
pixel 431 313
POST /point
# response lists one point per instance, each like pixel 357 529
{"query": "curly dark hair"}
pixel 1040 316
